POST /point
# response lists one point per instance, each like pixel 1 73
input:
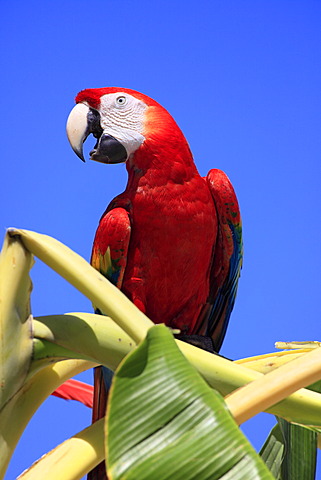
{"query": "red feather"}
pixel 93 95
pixel 75 390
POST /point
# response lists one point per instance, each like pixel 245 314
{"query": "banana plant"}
pixel 39 354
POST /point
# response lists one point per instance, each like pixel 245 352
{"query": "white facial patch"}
pixel 122 117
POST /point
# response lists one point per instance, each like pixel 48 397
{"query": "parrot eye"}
pixel 121 100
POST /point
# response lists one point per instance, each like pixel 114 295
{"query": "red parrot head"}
pixel 121 120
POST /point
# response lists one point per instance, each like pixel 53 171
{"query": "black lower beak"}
pixel 109 150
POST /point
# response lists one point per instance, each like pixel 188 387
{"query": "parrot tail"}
pixel 75 390
pixel 102 381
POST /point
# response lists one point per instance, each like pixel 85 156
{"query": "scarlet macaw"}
pixel 172 241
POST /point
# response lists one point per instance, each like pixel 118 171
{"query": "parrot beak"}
pixel 77 128
pixel 109 150
pixel 83 121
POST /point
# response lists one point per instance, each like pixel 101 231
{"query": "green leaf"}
pixel 290 450
pixel 164 422
pixel 300 453
pixel 273 450
pixel 315 387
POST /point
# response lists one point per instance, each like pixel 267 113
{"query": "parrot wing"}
pixel 109 255
pixel 227 259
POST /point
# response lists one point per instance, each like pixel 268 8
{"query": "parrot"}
pixel 172 241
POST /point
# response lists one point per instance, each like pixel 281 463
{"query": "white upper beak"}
pixel 77 128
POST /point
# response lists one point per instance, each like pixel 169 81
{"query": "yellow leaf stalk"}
pixel 72 459
pixel 103 294
pixel 16 414
pixel 15 319
pixel 275 386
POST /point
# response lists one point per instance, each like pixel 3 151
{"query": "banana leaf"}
pixel 163 421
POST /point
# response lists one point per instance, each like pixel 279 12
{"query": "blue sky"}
pixel 242 79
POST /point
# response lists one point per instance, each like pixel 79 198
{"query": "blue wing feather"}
pixel 224 302
pixel 226 262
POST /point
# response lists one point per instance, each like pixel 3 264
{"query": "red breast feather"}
pixel 173 227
